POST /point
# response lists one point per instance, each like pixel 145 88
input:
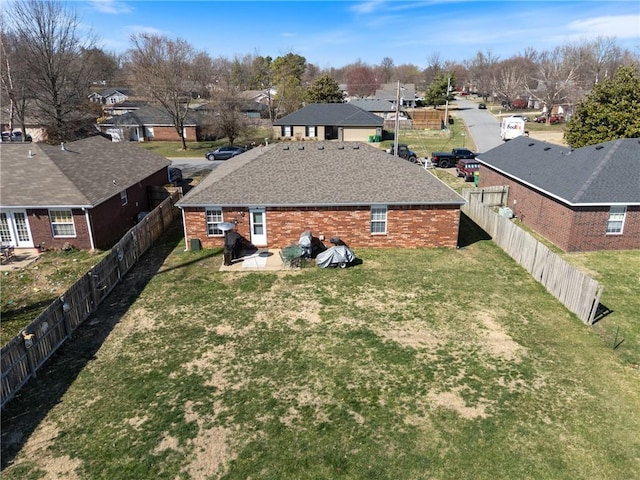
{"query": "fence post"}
pixel 66 308
pixel 94 290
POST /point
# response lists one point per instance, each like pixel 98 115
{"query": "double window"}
pixel 379 219
pixel 615 224
pixel 62 223
pixel 214 217
pixel 310 131
pixel 287 131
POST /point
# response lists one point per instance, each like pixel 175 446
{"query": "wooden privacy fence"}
pixel 577 291
pixel 489 196
pixel 28 351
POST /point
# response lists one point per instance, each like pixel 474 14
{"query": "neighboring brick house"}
pixel 148 124
pixel 87 193
pixel 581 200
pixel 329 121
pixel 351 190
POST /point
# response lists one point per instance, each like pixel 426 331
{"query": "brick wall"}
pixel 573 229
pixel 411 226
pixel 170 134
pixel 42 234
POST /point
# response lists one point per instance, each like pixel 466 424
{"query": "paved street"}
pixel 483 126
pixel 191 165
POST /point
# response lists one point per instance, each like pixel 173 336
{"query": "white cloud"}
pixel 621 26
pixel 110 6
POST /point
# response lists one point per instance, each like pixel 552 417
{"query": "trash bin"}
pixel 195 245
pixel 370 138
pixel 476 176
pixel 377 138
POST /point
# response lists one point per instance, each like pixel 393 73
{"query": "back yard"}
pixel 439 364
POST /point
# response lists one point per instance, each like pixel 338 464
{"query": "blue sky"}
pixel 335 33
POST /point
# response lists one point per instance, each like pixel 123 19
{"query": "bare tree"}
pixel 14 93
pixel 555 78
pixel 164 70
pixel 481 69
pixel 361 80
pixel 57 59
pixel 386 70
pixel 228 119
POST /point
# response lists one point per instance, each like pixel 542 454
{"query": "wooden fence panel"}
pixel 577 291
pixel 24 355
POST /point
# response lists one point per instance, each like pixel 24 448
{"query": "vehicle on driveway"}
pixel 404 152
pixel 449 159
pixel 224 153
pixel 553 119
pixel 482 106
pixel 467 169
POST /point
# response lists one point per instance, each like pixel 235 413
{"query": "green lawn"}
pixel 416 364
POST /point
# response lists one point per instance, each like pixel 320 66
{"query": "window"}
pixel 62 223
pixel 311 131
pixel 615 223
pixel 378 219
pixel 148 132
pixel 123 198
pixel 287 131
pixel 214 217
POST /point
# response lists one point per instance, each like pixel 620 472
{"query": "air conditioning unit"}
pixel 505 212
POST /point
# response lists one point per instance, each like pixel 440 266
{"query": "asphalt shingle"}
pixel 319 174
pixel 331 114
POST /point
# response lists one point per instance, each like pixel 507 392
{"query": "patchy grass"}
pixel 29 290
pixel 425 363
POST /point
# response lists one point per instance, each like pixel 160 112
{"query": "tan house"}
pixel 329 121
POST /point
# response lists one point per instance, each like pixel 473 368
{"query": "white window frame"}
pixel 312 131
pixel 54 223
pixel 212 221
pixel 287 131
pixel 378 216
pixel 123 198
pixel 615 222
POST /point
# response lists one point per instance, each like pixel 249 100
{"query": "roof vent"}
pixel 62 147
pixel 356 147
pixel 286 148
pixel 30 154
pixel 531 144
pixel 599 147
pixel 340 147
pixel 547 148
pixel 301 147
pixel 320 147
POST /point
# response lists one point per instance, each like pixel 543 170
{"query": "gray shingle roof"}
pixel 319 174
pixel 339 114
pixel 82 175
pixel 374 105
pixel 603 174
pixel 147 115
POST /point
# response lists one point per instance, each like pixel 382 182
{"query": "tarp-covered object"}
pixel 338 256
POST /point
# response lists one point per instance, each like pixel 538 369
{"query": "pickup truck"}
pixel 467 169
pixel 404 152
pixel 446 159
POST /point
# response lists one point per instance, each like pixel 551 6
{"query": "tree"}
pixel 610 111
pixel 229 121
pixel 361 80
pixel 164 70
pixel 555 78
pixel 59 65
pixel 325 90
pixel 286 74
pixel 481 72
pixel 437 93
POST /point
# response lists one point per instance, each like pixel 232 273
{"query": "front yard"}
pixel 439 364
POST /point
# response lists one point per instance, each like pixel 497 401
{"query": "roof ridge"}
pixel 596 171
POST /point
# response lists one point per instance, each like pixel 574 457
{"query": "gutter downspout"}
pixel 184 228
pixel 89 229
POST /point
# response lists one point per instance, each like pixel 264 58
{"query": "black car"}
pixel 224 153
pixel 482 106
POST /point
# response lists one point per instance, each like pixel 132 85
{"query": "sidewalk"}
pixel 21 258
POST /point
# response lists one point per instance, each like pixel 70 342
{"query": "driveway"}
pixel 191 165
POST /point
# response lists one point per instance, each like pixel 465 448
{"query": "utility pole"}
pixel 446 105
pixel 397 124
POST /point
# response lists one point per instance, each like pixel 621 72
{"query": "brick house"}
pixel 581 200
pixel 350 190
pixel 87 193
pixel 329 121
pixel 148 124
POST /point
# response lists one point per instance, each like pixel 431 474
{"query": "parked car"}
pixel 404 152
pixel 15 136
pixel 467 169
pixel 482 106
pixel 224 153
pixel 175 176
pixel 446 159
pixel 553 119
